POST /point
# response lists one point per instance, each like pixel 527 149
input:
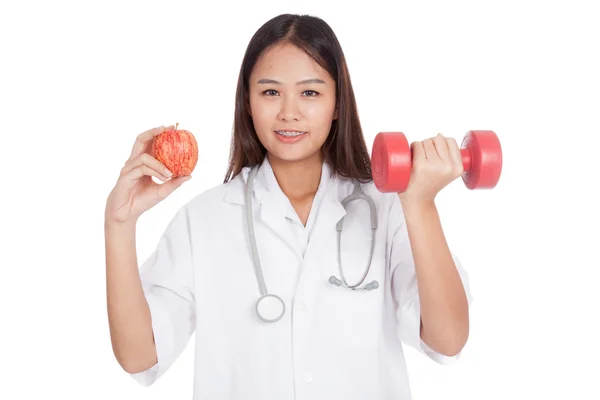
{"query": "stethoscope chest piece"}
pixel 270 308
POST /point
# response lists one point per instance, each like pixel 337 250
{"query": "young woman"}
pixel 291 291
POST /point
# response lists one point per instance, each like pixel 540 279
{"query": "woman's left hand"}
pixel 435 163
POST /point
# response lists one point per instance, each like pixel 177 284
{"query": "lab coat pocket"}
pixel 356 315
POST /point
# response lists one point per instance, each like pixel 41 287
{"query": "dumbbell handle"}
pixel 465 154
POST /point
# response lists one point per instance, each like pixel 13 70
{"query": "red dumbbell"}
pixel 391 160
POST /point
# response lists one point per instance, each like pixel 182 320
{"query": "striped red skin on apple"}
pixel 177 149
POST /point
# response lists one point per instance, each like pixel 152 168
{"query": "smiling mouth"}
pixel 290 133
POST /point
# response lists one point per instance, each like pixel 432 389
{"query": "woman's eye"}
pixel 273 92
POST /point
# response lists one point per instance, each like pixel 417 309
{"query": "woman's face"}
pixel 291 93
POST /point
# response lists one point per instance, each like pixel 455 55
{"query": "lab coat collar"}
pixel 276 207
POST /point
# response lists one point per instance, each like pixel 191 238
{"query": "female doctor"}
pixel 298 277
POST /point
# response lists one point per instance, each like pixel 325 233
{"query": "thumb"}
pixel 169 187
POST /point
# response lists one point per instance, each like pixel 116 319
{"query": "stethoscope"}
pixel 270 307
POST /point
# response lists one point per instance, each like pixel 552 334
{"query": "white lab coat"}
pixel 332 343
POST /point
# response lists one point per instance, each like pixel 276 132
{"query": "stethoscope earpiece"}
pixel 372 285
pixel 334 281
pixel 337 282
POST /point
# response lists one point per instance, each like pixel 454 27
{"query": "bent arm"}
pixel 129 316
pixel 442 297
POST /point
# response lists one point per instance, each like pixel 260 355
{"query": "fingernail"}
pixel 168 173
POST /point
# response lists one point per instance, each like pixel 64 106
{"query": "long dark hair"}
pixel 345 148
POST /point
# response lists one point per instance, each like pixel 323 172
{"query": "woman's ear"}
pixel 336 113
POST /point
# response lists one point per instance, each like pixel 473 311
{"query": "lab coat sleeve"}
pixel 168 285
pixel 405 289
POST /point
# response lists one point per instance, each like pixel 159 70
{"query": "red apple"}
pixel 177 150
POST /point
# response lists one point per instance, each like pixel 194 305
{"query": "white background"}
pixel 80 80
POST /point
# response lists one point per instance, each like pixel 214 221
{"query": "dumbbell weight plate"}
pixel 486 159
pixel 391 162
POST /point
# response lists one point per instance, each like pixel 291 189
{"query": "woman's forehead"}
pixel 286 65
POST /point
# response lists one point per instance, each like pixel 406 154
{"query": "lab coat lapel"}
pixel 273 214
pixel 275 206
pixel 330 212
pixel 271 209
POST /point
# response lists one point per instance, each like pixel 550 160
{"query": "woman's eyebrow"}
pixel 274 82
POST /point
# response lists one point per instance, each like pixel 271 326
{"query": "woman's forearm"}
pixel 444 307
pixel 129 317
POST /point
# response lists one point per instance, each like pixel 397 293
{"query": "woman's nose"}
pixel 289 109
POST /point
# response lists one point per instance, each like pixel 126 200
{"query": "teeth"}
pixel 290 133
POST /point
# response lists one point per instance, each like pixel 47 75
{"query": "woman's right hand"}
pixel 135 192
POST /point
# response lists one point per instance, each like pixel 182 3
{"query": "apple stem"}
pixel 176 125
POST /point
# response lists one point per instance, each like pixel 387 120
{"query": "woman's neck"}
pixel 299 180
